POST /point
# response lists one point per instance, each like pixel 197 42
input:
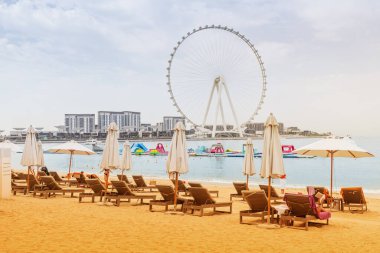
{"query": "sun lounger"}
pixel 238 187
pixel 21 185
pixel 181 186
pixel 125 179
pixel 274 196
pixel 258 203
pixel 302 208
pixel 193 184
pixel 124 192
pixel 167 193
pixel 18 187
pixel 61 180
pixel 353 197
pixel 141 185
pixel 50 186
pixel 98 189
pixel 203 199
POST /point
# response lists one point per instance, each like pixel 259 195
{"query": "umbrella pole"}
pixel 71 160
pixel 269 191
pixel 332 171
pixel 175 191
pixel 247 182
pixel 27 182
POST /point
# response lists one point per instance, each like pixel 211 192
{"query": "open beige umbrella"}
pixel 177 162
pixel 30 155
pixel 110 158
pixel 272 164
pixel 40 155
pixel 126 158
pixel 71 148
pixel 333 147
pixel 248 164
pixel 10 145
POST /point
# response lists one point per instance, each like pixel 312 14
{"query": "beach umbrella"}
pixel 333 147
pixel 248 163
pixel 71 148
pixel 40 154
pixel 30 155
pixel 177 162
pixel 126 158
pixel 272 164
pixel 10 145
pixel 110 158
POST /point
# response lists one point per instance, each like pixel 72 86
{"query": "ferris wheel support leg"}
pixel 219 90
pixel 232 109
pixel 221 107
pixel 208 105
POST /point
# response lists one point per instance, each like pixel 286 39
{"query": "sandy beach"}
pixel 61 224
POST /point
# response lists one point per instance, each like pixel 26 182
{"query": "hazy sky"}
pixel 56 57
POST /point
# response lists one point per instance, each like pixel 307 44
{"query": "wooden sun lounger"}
pixel 274 196
pixel 19 187
pixel 97 187
pixel 167 193
pixel 353 197
pixel 194 184
pixel 313 190
pixel 203 199
pixel 238 187
pixel 258 202
pixel 302 208
pixel 124 192
pixel 61 180
pixel 125 179
pixel 141 185
pixel 50 186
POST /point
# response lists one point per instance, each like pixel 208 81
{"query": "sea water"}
pixel 363 172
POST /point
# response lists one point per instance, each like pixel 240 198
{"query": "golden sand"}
pixel 61 224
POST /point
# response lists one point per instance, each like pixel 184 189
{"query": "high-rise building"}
pixel 170 121
pixel 126 121
pixel 80 123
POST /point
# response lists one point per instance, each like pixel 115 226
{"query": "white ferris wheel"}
pixel 216 80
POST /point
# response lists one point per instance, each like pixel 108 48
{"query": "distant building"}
pixel 258 128
pixel 219 127
pixel 159 127
pixel 146 127
pixel 293 130
pixel 126 121
pixel 80 123
pixel 170 122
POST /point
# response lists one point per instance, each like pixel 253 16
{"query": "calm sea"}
pixel 300 172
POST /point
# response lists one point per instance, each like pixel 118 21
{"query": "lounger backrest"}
pixel 192 184
pixel 96 186
pixel 181 185
pixel 123 178
pixel 201 196
pixel 240 187
pixel 300 205
pixel 56 176
pixel 257 201
pixel 122 188
pixel 166 191
pixel 22 176
pixel 353 195
pixel 139 180
pixel 41 173
pixel 50 183
pixel 32 181
pixel 81 180
pixel 273 192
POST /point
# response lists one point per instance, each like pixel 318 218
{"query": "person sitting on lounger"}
pixel 44 169
pixel 321 198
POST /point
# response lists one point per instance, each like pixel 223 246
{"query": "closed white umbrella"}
pixel 110 159
pixel 126 158
pixel 177 162
pixel 71 148
pixel 272 164
pixel 29 156
pixel 40 154
pixel 11 145
pixel 334 147
pixel 248 163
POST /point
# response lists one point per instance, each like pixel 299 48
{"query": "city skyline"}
pixel 76 57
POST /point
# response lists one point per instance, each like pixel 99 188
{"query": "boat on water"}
pixel 92 141
pixel 96 148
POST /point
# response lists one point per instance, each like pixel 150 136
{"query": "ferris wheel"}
pixel 216 79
